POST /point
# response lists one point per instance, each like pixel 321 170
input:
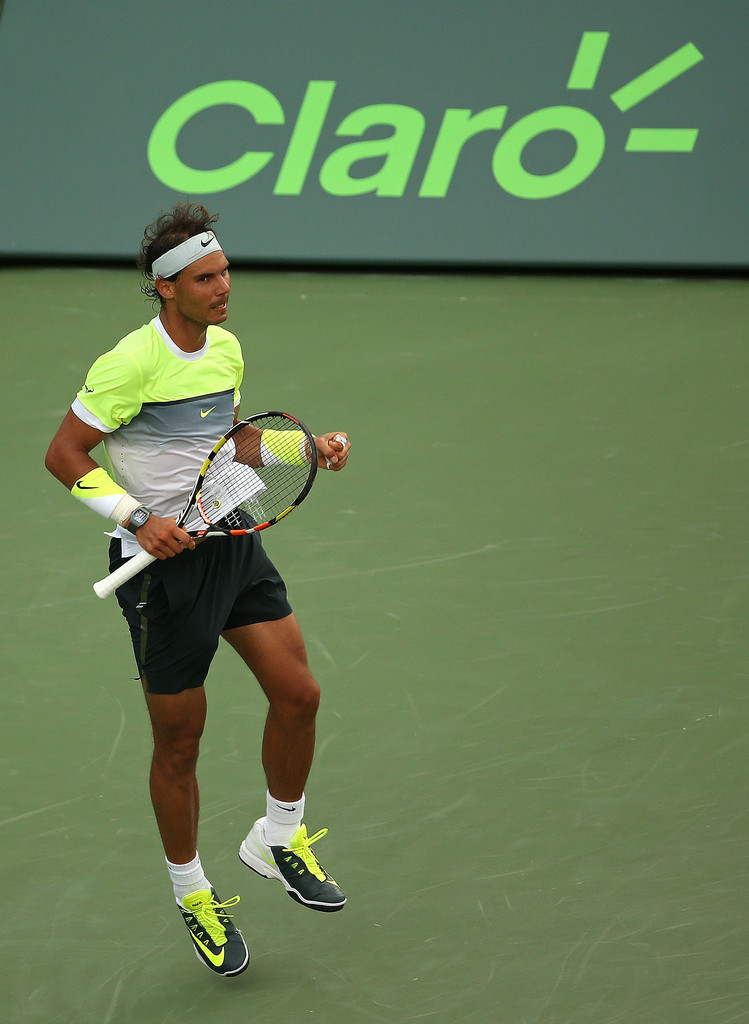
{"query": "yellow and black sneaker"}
pixel 217 942
pixel 296 866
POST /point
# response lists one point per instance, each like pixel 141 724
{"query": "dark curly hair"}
pixel 182 222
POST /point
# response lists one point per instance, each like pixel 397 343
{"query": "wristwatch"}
pixel 137 518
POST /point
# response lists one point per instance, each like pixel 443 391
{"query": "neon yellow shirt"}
pixel 162 410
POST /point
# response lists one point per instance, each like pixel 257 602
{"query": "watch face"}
pixel 138 518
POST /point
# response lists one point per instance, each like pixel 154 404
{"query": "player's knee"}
pixel 307 698
pixel 300 699
pixel 311 699
pixel 178 755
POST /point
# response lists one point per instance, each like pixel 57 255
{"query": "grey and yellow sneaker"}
pixel 296 867
pixel 217 942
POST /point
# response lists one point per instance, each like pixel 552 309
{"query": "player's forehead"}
pixel 212 263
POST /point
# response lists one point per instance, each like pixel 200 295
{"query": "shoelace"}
pixel 307 857
pixel 208 918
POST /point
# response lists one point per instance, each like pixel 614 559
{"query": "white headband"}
pixel 184 254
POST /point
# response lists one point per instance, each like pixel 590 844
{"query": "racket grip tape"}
pixel 125 572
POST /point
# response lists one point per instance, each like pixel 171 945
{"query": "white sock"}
pixel 282 819
pixel 187 878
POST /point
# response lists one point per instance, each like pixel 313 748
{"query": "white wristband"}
pixel 99 491
pixel 124 509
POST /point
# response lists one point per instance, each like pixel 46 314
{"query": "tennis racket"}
pixel 254 476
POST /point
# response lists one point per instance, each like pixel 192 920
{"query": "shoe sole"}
pixel 260 867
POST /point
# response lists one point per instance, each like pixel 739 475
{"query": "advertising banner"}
pixel 478 133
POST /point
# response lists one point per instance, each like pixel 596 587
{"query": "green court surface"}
pixel 526 603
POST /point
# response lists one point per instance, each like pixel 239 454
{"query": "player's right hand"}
pixel 163 538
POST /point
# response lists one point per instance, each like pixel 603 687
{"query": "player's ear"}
pixel 164 288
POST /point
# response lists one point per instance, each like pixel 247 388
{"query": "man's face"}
pixel 201 292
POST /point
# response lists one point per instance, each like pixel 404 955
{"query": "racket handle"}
pixel 125 572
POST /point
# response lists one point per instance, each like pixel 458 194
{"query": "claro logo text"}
pixel 394 156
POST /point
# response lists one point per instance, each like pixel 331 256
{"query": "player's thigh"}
pixel 275 654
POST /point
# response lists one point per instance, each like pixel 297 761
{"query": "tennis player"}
pixel 158 401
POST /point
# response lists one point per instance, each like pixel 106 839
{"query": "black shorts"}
pixel 177 608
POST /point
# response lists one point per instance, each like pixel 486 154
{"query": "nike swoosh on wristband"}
pixel 216 959
pixel 84 487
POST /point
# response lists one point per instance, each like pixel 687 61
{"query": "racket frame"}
pixel 106 586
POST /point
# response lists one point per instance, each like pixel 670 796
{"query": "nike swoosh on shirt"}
pixel 207 412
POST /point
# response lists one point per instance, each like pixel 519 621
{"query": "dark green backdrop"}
pixel 479 132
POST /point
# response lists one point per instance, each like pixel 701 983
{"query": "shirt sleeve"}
pixel 111 393
pixel 240 375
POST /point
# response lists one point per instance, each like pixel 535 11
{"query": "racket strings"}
pixel 248 477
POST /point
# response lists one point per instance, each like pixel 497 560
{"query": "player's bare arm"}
pixel 332 449
pixel 68 458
